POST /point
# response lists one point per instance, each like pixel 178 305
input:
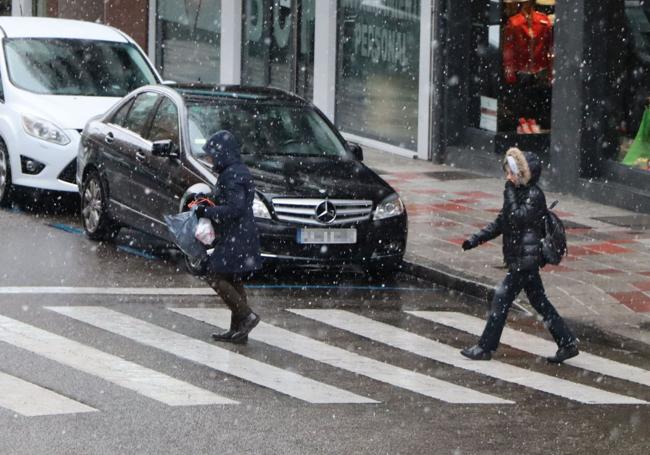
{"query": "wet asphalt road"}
pixel 39 249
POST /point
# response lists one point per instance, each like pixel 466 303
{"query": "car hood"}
pixel 67 112
pixel 316 178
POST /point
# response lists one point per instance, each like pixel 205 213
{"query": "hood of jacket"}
pixel 224 149
pixel 529 165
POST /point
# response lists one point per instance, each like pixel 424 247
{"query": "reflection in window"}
pixel 377 70
pixel 188 39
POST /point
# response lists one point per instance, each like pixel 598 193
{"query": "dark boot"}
pixel 564 353
pixel 476 353
pixel 244 328
pixel 227 336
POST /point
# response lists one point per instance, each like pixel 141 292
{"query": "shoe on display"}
pixel 534 127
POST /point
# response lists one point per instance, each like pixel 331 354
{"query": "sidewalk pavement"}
pixel 603 283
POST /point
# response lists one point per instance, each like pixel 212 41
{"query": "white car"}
pixel 56 74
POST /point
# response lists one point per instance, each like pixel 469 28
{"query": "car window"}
pixel 165 123
pixel 137 117
pixel 120 116
pixel 57 66
pixel 264 129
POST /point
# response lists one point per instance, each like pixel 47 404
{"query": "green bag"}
pixel 640 148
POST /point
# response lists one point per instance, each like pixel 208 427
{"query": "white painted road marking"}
pixel 538 346
pixel 440 352
pixel 66 290
pixel 111 368
pixel 31 400
pixel 341 358
pixel 200 352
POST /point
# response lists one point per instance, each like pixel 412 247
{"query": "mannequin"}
pixel 528 64
pixel 528 42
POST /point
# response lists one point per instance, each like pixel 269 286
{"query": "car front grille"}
pixel 331 211
pixel 69 174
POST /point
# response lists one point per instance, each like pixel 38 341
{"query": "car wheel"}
pixel 96 222
pixel 5 176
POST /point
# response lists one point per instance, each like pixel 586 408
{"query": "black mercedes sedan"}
pixel 317 204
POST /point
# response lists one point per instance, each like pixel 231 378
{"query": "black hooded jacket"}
pixel 521 220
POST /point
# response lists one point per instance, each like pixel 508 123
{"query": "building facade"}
pixel 453 81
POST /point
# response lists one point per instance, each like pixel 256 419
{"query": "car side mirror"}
pixel 356 151
pixel 163 149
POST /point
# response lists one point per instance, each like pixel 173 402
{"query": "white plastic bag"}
pixel 204 232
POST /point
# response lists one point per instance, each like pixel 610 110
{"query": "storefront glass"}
pixel 378 70
pixel 187 38
pixel 513 44
pixel 39 8
pixel 271 35
pixel 632 87
pixel 5 7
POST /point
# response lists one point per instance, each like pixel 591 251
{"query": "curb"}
pixel 450 279
pixel 457 281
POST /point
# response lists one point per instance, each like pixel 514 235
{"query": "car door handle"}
pixel 109 138
pixel 140 156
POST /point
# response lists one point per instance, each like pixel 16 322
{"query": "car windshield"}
pixel 264 129
pixel 76 67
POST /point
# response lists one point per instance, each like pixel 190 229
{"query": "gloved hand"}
pixel 468 245
pixel 199 211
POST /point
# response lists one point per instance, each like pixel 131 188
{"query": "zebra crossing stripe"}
pixel 416 344
pixel 111 368
pixel 538 346
pixel 220 359
pixel 346 360
pixel 30 400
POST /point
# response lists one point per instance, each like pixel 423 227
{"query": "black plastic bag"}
pixel 182 227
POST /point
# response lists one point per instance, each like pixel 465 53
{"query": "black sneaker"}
pixel 564 353
pixel 476 353
pixel 245 327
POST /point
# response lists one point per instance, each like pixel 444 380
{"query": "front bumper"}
pixel 59 163
pixel 377 241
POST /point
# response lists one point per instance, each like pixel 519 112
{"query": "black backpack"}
pixel 554 246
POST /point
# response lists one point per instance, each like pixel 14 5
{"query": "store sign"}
pixel 489 109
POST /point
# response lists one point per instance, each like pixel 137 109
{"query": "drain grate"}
pixel 637 222
pixel 453 175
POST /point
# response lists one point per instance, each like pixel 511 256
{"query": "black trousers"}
pixel 230 287
pixel 531 283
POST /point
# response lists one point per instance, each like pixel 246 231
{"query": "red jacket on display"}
pixel 528 45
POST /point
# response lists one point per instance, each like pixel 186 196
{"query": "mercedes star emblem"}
pixel 326 212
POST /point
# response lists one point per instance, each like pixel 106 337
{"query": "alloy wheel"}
pixel 92 205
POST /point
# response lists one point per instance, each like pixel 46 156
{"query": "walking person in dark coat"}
pixel 521 222
pixel 237 252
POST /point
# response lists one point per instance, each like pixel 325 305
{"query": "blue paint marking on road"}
pixel 359 288
pixel 137 252
pixel 66 228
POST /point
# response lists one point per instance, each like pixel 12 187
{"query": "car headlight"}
pixel 44 130
pixel 259 209
pixel 391 206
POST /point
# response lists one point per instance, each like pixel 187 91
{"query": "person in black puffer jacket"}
pixel 521 222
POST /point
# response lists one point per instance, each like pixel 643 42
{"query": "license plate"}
pixel 327 236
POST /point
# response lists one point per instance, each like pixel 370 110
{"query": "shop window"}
pixel 188 40
pixel 273 29
pixel 378 70
pixel 513 43
pixel 631 87
pixel 5 7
